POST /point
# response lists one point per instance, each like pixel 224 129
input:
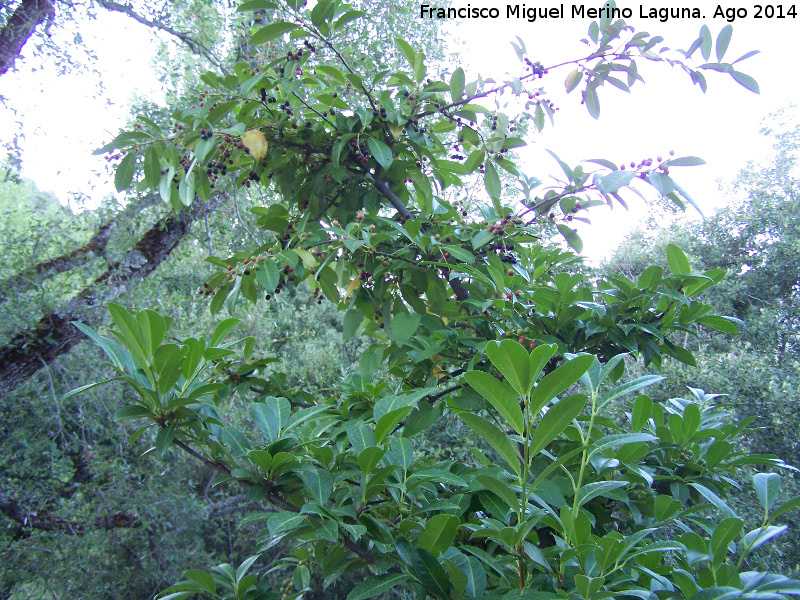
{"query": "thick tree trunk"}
pixel 24 280
pixel 20 27
pixel 30 350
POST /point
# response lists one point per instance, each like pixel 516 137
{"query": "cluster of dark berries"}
pixel 214 169
pixel 317 295
pixel 205 290
pixel 264 98
pixel 286 107
pixel 311 47
pixel 359 152
pixel 414 124
pixel 206 135
pixel 536 68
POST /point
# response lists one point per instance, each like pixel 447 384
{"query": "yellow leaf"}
pixel 255 141
pixel 396 131
pixel 353 285
pixel 308 259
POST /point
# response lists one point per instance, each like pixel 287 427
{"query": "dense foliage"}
pixel 576 484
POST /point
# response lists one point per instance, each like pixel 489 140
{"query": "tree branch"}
pixel 381 186
pixel 20 27
pixel 11 509
pixel 187 39
pixel 96 246
pixel 54 334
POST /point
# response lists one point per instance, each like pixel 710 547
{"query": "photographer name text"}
pixel 581 11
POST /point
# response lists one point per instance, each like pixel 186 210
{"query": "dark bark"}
pixel 96 246
pixel 29 15
pixel 28 351
pixel 195 46
pixel 45 522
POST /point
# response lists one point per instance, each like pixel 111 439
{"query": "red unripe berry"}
pixel 522 340
pixel 510 272
pixel 532 345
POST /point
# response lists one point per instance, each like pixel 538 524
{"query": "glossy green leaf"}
pixel 500 395
pixel 373 586
pixel 270 32
pixel 496 439
pixel 559 380
pixel 492 181
pixel 725 532
pixel 457 84
pixel 439 533
pixel 270 415
pixel 558 417
pixel 677 261
pixel 319 482
pixel 723 39
pixel 381 152
pixel 123 176
pixel 768 487
pixel 431 574
pixel 512 360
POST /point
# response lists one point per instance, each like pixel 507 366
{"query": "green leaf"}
pixel 573 239
pixel 129 334
pixel 558 417
pixel 723 39
pixel 714 499
pixel 725 532
pixel 270 415
pixel 573 79
pixel 629 387
pixel 496 438
pixel 431 574
pixel 677 261
pixel 268 275
pixel 500 395
pixel 457 84
pixel 746 81
pixel 559 380
pixel 685 161
pixel 152 169
pixel 404 325
pixel 381 152
pixel 222 329
pixel 125 170
pixel 203 579
pixel 167 363
pixel 285 521
pixel 492 181
pixel 614 181
pixel 439 533
pixel 768 487
pixel 270 32
pixel 131 411
pixel 352 321
pixel 252 5
pixel 376 585
pixel 319 482
pixel 592 101
pixel 407 51
pixel 512 360
pixel 591 491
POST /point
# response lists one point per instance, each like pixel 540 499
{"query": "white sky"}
pixel 65 121
pixel 666 113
